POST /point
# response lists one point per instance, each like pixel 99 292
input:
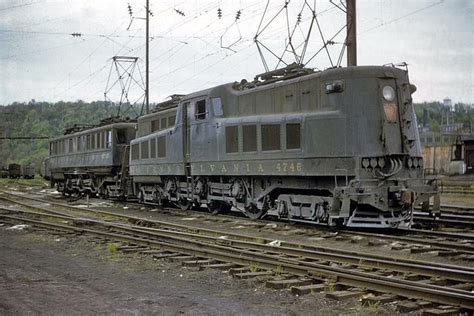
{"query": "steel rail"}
pixel 459 219
pixel 442 245
pixel 450 272
pixel 439 245
pixel 406 288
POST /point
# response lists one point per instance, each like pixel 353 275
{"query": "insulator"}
pixel 219 13
pixel 298 20
pixel 237 16
pixel 180 12
pixel 420 162
pixel 365 162
pixel 415 162
pixel 373 162
pixel 381 162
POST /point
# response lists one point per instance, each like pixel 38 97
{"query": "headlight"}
pixel 388 93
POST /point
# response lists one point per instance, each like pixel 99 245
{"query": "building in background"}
pixel 450 148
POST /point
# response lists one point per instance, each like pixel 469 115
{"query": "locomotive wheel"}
pixel 218 207
pixel 141 197
pixel 195 205
pixel 184 204
pixel 252 211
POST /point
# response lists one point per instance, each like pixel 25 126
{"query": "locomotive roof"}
pixel 158 112
pixel 328 74
pixel 95 129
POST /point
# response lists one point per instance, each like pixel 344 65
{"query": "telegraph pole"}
pixel 147 88
pixel 351 40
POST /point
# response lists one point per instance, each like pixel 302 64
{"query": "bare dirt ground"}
pixel 50 275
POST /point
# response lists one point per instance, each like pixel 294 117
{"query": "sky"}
pixel 192 48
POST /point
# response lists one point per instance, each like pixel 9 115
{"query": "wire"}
pixel 70 34
pixel 19 6
pixel 402 17
pixel 84 60
pixel 41 50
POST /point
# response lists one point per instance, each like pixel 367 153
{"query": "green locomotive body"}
pixel 338 147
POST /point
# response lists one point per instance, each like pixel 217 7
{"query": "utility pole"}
pixel 351 33
pixel 147 93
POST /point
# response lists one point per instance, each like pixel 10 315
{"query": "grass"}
pixel 279 270
pixel 112 248
pixel 330 288
pixel 36 182
pixel 372 307
pixel 254 267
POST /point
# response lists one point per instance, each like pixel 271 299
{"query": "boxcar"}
pixel 28 171
pixel 14 171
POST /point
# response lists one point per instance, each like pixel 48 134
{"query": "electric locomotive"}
pixel 335 147
pixel 90 159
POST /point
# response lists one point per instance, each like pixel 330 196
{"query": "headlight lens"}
pixel 388 93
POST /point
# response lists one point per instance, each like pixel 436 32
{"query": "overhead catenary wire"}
pixel 19 5
pixel 401 17
pixel 175 52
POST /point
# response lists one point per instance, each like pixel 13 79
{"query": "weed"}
pixel 112 248
pixel 254 267
pixel 279 270
pixel 330 287
pixel 372 307
pixel 36 182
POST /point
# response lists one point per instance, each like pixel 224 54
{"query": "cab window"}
pixel 108 140
pixel 200 110
pixel 121 136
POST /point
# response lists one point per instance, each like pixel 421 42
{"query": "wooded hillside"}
pixel 42 119
pixel 50 119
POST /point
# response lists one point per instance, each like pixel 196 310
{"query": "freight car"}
pixel 89 159
pixel 28 171
pixel 4 172
pixel 44 170
pixel 337 147
pixel 14 171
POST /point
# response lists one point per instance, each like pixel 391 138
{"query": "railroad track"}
pixel 451 215
pixel 446 218
pixel 318 264
pixel 415 240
